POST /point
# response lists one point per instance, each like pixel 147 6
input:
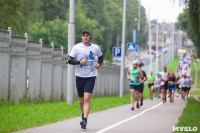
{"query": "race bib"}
pixel 162 83
pixel 89 64
pixel 134 80
pixel 172 83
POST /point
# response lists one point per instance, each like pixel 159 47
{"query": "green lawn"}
pixel 28 114
pixel 197 92
pixel 198 71
pixel 18 116
pixel 173 65
pixel 190 116
pixel 192 72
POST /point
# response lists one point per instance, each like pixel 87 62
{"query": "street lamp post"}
pixel 71 43
pixel 123 51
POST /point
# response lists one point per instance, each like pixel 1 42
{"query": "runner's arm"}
pixel 100 60
pixel 72 60
pixel 141 74
pixel 128 74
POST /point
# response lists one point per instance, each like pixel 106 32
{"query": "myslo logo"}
pixel 189 129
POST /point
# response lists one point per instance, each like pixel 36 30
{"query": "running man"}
pixel 84 56
pixel 171 88
pixel 151 79
pixel 184 81
pixel 157 85
pixel 164 83
pixel 190 81
pixel 144 78
pixel 134 74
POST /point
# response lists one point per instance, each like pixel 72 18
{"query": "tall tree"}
pixel 10 13
pixel 194 21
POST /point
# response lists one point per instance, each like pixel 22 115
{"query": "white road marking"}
pixel 131 118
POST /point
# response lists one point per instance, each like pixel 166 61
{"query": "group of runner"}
pixel 87 58
pixel 162 83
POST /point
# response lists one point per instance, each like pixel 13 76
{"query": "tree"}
pixel 108 56
pixel 193 27
pixel 10 13
pixel 50 31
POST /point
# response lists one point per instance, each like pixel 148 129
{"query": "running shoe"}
pixel 132 108
pixel 83 124
pixel 137 105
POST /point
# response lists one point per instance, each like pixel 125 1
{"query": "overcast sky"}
pixel 167 10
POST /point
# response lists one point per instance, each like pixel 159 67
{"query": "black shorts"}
pixel 150 84
pixel 188 88
pixel 141 88
pixel 184 89
pixel 165 86
pixel 135 87
pixel 84 85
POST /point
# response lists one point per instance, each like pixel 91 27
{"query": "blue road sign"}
pixel 117 51
pixel 132 47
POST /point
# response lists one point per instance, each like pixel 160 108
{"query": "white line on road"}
pixel 131 118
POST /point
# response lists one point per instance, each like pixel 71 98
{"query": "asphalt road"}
pixel 153 117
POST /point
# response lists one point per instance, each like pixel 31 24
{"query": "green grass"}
pixel 192 72
pixel 173 65
pixel 190 116
pixel 197 92
pixel 18 116
pixel 198 71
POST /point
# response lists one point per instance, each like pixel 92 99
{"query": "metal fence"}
pixel 29 69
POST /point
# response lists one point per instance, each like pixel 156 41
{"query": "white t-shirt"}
pixel 179 81
pixel 91 53
pixel 189 81
pixel 157 82
pixel 183 82
pixel 164 75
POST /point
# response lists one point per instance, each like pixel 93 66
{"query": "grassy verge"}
pixel 18 116
pixel 173 65
pixel 192 72
pixel 24 115
pixel 197 92
pixel 190 116
pixel 198 73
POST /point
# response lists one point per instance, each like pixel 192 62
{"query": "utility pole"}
pixel 157 46
pixel 173 44
pixel 138 28
pixel 150 42
pixel 71 43
pixel 123 52
pixel 163 25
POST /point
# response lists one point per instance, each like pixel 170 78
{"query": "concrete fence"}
pixel 29 69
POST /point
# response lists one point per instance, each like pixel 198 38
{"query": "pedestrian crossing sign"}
pixel 132 47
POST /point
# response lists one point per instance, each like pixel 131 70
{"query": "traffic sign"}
pixel 132 47
pixel 117 51
pixel 131 56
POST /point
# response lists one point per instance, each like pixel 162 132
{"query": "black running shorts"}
pixel 85 85
pixel 141 88
pixel 184 89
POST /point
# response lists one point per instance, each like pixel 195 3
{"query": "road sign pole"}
pixel 123 52
pixel 138 27
pixel 71 43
